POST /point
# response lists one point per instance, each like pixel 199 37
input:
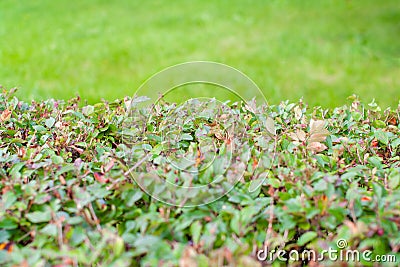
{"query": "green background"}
pixel 323 51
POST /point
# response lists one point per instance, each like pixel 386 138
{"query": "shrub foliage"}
pixel 68 198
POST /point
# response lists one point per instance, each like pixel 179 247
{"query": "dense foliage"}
pixel 68 197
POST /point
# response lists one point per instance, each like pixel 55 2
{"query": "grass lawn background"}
pixel 322 50
pixel 73 183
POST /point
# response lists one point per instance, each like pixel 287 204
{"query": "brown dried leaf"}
pixel 318 137
pixel 100 177
pixel 188 258
pixel 109 165
pixel 5 115
pixel 316 147
pixel 318 133
pixel 298 136
pixel 316 125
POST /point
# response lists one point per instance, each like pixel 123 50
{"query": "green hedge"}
pixel 68 198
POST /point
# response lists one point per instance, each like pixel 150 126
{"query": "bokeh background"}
pixel 322 51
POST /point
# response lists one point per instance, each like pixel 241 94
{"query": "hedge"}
pixel 72 179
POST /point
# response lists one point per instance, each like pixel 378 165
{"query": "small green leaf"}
pixel 394 180
pixel 255 184
pixel 8 223
pixel 247 214
pixel 78 235
pixel 9 199
pixel 119 246
pixel 50 230
pixel 379 124
pixel 57 159
pixel 375 161
pixel 274 182
pixel 382 137
pixel 321 185
pixel 306 237
pixel 50 122
pixel 4 236
pixel 87 110
pixel 133 196
pixel 16 169
pixel 39 216
pixel 186 137
pixel 146 147
pixel 39 128
pixel 395 143
pixel 270 125
pixel 357 116
pixel 235 223
pixel 74 220
pixel 195 230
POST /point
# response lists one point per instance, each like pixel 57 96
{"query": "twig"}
pixel 137 164
pixel 352 212
pixel 270 222
pixel 96 220
pixel 60 233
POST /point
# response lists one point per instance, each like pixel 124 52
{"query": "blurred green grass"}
pixel 323 51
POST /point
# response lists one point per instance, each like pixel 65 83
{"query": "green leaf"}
pixel 274 182
pixel 119 246
pixel 195 230
pixel 357 116
pixel 306 238
pixel 74 220
pixel 246 214
pixel 379 124
pixel 146 147
pixel 39 216
pixel 321 185
pixel 64 169
pixel 8 223
pixel 382 137
pixel 15 170
pixel 270 125
pixel 153 137
pixel 50 230
pixel 186 137
pixel 4 236
pixel 50 122
pixel 394 180
pixel 57 159
pixel 133 196
pixel 395 143
pixel 39 128
pixel 78 235
pixel 88 110
pixel 147 241
pixel 287 222
pixel 255 184
pixel 9 199
pixel 235 223
pixel 375 161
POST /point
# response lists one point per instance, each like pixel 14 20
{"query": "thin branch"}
pixel 137 164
